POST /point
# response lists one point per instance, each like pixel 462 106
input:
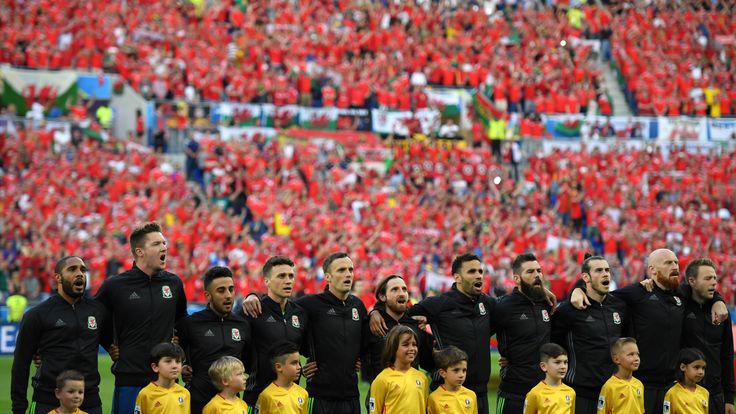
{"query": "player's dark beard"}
pixel 532 291
pixel 68 288
pixel 396 307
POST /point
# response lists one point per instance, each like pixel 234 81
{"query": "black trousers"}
pixel 653 399
pixel 322 406
pixel 509 403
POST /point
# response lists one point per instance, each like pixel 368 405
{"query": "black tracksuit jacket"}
pixel 337 336
pixel 371 360
pixel 587 334
pixel 271 326
pixel 66 337
pixel 715 341
pixel 206 336
pixel 655 320
pixel 465 322
pixel 144 310
pixel 522 326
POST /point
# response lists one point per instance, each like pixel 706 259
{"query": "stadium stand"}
pixel 344 54
pixel 246 200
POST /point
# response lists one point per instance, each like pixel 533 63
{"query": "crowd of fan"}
pixel 261 198
pixel 370 54
pixel 677 60
pixel 320 53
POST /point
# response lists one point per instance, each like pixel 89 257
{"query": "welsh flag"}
pixel 246 115
pixel 21 88
pixel 318 118
pixel 280 116
pixel 485 110
pixel 570 128
pixel 239 114
pixel 447 103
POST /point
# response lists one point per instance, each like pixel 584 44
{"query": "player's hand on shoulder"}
pixel 551 298
pixel 719 312
pixel 252 306
pixel 578 299
pixel 422 321
pixel 647 284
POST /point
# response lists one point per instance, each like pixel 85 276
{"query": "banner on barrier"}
pixel 682 129
pixel 596 126
pixel 722 129
pixel 318 118
pixel 229 133
pixel 8 334
pixel 405 123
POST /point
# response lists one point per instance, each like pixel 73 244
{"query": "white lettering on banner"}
pixel 7 338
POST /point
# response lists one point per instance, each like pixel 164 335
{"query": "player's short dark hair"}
pixel 463 258
pixel 692 269
pixel 280 351
pixel 550 350
pixel 449 356
pixel 274 261
pixel 383 285
pixel 216 272
pixel 520 260
pixel 139 234
pixel 62 262
pixel 331 258
pixel 618 344
pixel 68 375
pixel 686 356
pixel 392 344
pixel 586 262
pixel 164 350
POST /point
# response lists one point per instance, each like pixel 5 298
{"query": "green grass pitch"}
pixel 106 387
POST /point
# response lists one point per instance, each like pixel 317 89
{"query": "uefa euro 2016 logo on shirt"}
pixel 91 322
pixel 300 401
pixel 616 318
pixel 678 302
pixel 181 400
pixel 545 315
pixel 236 334
pixel 568 399
pixel 602 402
pixel 467 403
pixel 294 321
pixel 355 315
pixel 482 309
pixel 166 291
